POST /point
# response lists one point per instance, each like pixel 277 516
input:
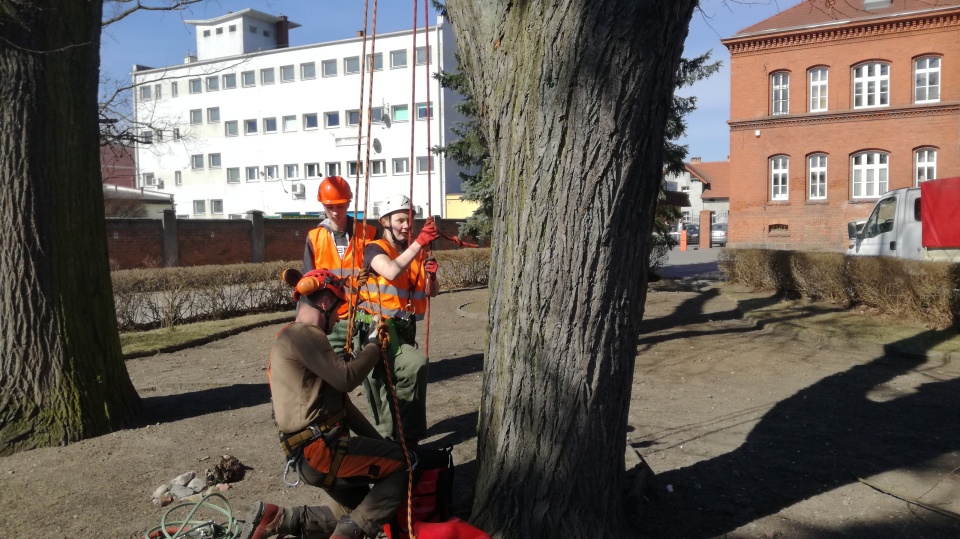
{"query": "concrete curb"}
pixel 208 339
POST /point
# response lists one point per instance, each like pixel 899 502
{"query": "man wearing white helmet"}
pixel 402 279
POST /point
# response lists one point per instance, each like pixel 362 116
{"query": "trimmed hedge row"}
pixel 165 297
pixel 924 292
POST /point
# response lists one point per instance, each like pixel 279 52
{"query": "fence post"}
pixel 258 246
pixel 171 246
pixel 706 232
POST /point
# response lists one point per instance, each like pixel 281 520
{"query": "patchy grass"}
pixel 145 343
pixel 832 322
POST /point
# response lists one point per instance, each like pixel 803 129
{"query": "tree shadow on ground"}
pixel 448 369
pixel 815 441
pixel 179 406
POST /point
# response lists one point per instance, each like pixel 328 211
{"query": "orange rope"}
pixel 428 278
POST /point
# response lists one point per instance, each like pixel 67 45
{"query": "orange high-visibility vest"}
pixel 403 295
pixel 325 255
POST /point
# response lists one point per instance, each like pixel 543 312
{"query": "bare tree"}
pixel 63 376
pixel 574 96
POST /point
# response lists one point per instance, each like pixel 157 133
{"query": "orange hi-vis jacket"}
pixel 403 295
pixel 321 252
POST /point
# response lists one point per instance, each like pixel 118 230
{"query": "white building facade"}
pixel 251 124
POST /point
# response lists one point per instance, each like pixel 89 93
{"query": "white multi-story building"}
pixel 252 124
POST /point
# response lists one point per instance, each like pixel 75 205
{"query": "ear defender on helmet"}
pixel 313 282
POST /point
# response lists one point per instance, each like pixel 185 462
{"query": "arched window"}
pixel 817 176
pixel 779 177
pixel 780 93
pixel 870 174
pixel 926 76
pixel 871 85
pixel 924 165
pixel 817 77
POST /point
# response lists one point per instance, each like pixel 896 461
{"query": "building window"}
pixel 269 125
pixel 146 137
pixel 377 62
pixel 196 162
pixel 158 91
pixel 206 33
pixel 310 121
pixel 925 165
pixel 817 176
pixel 270 173
pixel 351 65
pixel 331 119
pixel 196 116
pixel 354 168
pixel 253 29
pixel 422 53
pixel 376 114
pixel 177 178
pixel 219 31
pixel 286 74
pixel 176 133
pixel 266 33
pixel 378 167
pixel 424 110
pixel 233 175
pixel 926 75
pixel 291 172
pixel 818 89
pixel 174 89
pixel 308 71
pixel 870 171
pixel 871 85
pixel 146 93
pixel 424 164
pixel 353 117
pixel 332 168
pixel 159 135
pixel 248 79
pixel 253 174
pixel 196 86
pixel 230 81
pixel 398 59
pixel 232 28
pixel 401 113
pixel 213 83
pixel 780 92
pixel 779 177
pixel 401 165
pixel 214 160
pixel 149 179
pixel 329 68
pixel 249 127
pixel 199 207
pixel 266 76
pixel 312 170
pixel 213 114
pixel 216 207
pixel 231 128
pixel 289 124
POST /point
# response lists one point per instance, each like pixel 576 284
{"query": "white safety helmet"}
pixel 393 204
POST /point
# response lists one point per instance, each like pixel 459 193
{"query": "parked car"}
pixel 693 236
pixel 718 235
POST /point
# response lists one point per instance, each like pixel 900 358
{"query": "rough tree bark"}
pixel 62 376
pixel 574 95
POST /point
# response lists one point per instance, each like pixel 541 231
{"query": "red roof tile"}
pixel 825 12
pixel 715 177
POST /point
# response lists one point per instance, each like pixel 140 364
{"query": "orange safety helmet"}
pixel 334 190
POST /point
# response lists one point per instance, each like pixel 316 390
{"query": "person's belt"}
pixel 292 442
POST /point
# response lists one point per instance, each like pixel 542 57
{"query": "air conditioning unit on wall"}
pixel 297 190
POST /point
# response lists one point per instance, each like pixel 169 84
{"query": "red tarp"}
pixel 940 213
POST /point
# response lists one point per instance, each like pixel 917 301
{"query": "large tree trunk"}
pixel 574 95
pixel 63 376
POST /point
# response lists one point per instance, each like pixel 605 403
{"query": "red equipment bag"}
pixel 432 492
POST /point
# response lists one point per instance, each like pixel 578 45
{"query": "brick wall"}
pixel 137 243
pixel 897 130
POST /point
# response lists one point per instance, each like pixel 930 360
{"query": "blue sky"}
pixel 160 39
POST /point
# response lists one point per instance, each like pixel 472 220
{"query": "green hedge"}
pixel 918 291
pixel 165 297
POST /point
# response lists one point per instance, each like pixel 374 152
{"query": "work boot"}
pixel 348 529
pixel 263 520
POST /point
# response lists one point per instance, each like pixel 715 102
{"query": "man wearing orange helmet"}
pixel 402 280
pixel 337 244
pixel 310 387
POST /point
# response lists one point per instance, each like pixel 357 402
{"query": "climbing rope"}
pixel 195 528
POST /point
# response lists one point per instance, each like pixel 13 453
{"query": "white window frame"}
pixel 394 55
pixel 818 80
pixel 255 176
pixel 421 56
pixel 196 161
pixel 376 115
pixel 324 68
pixel 347 65
pixel 146 137
pixel 263 76
pixel 213 83
pixel 214 160
pixel 149 179
pixel 334 115
pixel 869 86
pixel 923 73
pixel 266 125
pixel 420 162
pixel 378 167
pixel 394 109
pixel 870 174
pixel 303 70
pixel 290 123
pixel 401 165
pixel 233 175
pixel 427 108
pixel 287 74
pixel 158 91
pixel 817 176
pixel 311 170
pixel 213 206
pixel 251 75
pixel 196 116
pixel 316 121
pixel 230 81
pixel 352 169
pixel 235 125
pixel 924 165
pixel 350 115
pixel 271 173
pixel 247 124
pixel 176 133
pixel 213 115
pixel 332 168
pixel 195 86
pixel 177 178
pixel 174 89
pixel 780 93
pixel 780 178
pixel 377 59
pixel 146 93
pixel 199 207
pixel 291 167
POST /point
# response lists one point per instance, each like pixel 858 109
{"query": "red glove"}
pixel 428 233
pixel 431 266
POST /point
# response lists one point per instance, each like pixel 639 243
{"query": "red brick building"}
pixel 833 103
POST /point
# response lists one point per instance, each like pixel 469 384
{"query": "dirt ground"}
pixel 752 433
